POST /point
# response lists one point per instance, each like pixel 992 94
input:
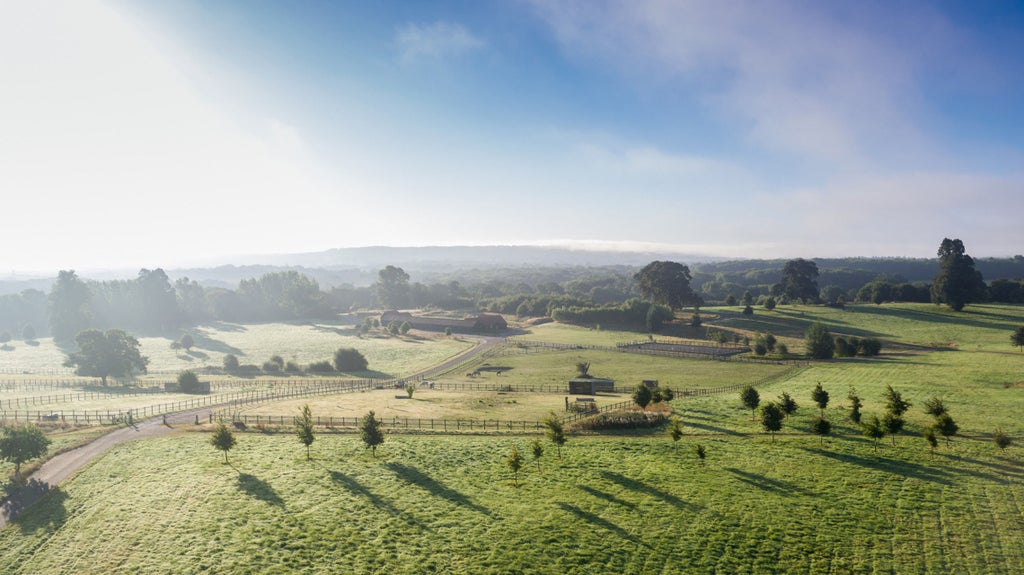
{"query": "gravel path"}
pixel 62 466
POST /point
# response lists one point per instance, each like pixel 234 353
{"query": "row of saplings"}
pixel 372 435
pixel 892 422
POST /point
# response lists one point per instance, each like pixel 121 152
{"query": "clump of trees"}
pixel 347 359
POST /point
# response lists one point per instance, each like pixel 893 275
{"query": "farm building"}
pixel 591 386
pixel 485 322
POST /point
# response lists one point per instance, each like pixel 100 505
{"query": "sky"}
pixel 148 133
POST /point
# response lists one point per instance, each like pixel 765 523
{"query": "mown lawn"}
pixel 611 505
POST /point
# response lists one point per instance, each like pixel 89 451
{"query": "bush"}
pixel 869 347
pixel 230 363
pixel 320 367
pixel 748 310
pixel 293 367
pixel 271 367
pixel 844 349
pixel 188 382
pixel 348 359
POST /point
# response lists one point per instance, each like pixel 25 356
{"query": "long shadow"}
pixel 359 489
pixel 1011 471
pixel 259 489
pixel 767 484
pixel 435 487
pixel 595 520
pixel 203 341
pixel 712 428
pixel 637 485
pixel 196 354
pixel 606 496
pixel 895 466
pixel 962 319
pixel 47 507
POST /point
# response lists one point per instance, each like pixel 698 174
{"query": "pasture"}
pixel 624 503
pixel 254 344
pixel 612 504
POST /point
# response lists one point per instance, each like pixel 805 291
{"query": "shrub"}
pixel 293 367
pixel 748 310
pixel 271 367
pixel 348 359
pixel 869 347
pixel 320 367
pixel 188 382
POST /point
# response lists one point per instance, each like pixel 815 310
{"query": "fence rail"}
pixel 442 425
pixel 661 349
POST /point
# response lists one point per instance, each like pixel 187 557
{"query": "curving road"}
pixel 60 467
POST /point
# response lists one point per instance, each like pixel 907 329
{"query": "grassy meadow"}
pixel 255 344
pixel 621 503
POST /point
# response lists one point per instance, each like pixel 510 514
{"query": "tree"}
pixel 410 388
pixel 537 448
pixel 771 418
pixel 70 306
pixel 555 432
pixel 751 399
pixel 583 369
pixel 818 342
pixel 188 382
pixel 230 363
pixel 448 331
pixel 666 283
pixel 103 354
pixel 642 396
pixel 934 407
pixel 957 283
pixel 304 428
pixel 404 328
pixel 347 359
pixel 22 443
pixel 701 453
pixel 1017 337
pixel 894 402
pixel 874 430
pixel 787 404
pixel 800 280
pixel 820 397
pixel 748 310
pixel 946 427
pixel 676 432
pixel 370 432
pixel 1001 439
pixel 515 463
pixel 159 302
pixel 223 439
pixel 769 303
pixel 821 427
pixel 730 300
pixel 855 405
pixel 747 299
pixel 186 342
pixel 893 424
pixel 393 287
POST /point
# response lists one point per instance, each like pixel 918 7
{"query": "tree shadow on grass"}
pixel 360 490
pixel 435 487
pixel 606 496
pixel 898 467
pixel 713 428
pixel 637 485
pixel 1015 472
pixel 599 522
pixel 36 505
pixel 259 489
pixel 774 485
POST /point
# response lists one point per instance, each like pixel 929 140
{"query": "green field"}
pixel 615 503
pixel 612 505
pixel 255 344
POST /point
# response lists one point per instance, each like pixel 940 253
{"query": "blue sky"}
pixel 151 133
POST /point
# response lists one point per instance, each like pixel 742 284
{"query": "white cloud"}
pixel 436 41
pixel 793 78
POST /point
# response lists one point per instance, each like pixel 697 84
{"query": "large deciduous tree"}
pixel 104 354
pixel 800 280
pixel 957 283
pixel 393 287
pixel 70 306
pixel 667 283
pixel 22 443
